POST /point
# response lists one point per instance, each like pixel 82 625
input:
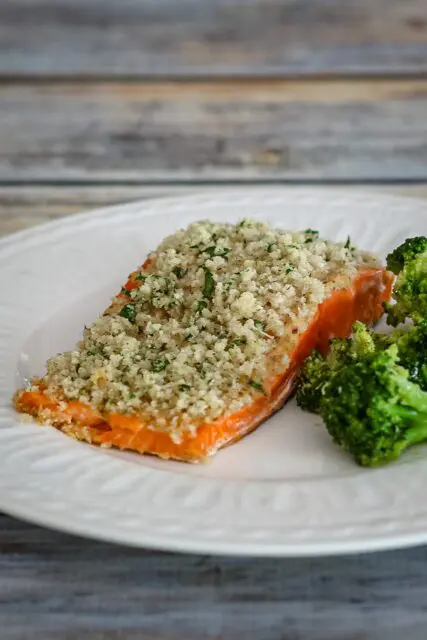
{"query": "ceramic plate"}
pixel 284 490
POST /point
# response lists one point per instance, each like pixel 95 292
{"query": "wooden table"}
pixel 103 102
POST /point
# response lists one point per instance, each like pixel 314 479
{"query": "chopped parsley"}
pixel 128 312
pixel 312 234
pixel 209 285
pixel 202 304
pixel 141 277
pixel 125 291
pixel 347 243
pixel 288 269
pixel 259 325
pixel 240 341
pixel 256 385
pixel 213 251
pixel 199 368
pixel 159 365
pixel 269 247
pixel 179 272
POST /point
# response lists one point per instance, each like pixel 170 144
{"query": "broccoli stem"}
pixel 417 432
pixel 412 395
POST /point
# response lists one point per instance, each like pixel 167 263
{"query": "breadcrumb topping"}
pixel 200 331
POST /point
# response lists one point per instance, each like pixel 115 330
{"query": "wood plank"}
pixel 23 207
pixel 363 129
pixel 213 37
pixel 58 587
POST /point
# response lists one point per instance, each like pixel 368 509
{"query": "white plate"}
pixel 284 490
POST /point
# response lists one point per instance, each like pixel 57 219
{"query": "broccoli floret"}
pixel 412 346
pixel 372 410
pixel 406 252
pixel 364 341
pixel 409 262
pixel 313 375
pixel 318 368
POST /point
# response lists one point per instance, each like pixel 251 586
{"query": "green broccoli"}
pixel 318 368
pixel 365 341
pixel 372 410
pixel 412 347
pixel 405 253
pixel 315 371
pixel 409 263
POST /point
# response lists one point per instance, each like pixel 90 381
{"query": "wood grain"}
pixel 363 129
pixel 55 587
pixel 213 37
pixel 23 207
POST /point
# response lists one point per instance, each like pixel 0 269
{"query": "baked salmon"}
pixel 204 342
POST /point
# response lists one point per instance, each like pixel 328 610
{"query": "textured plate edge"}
pixel 210 192
pixel 362 545
pixel 258 548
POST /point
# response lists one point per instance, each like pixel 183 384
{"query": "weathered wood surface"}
pixel 362 129
pixel 57 587
pixel 213 37
pixel 22 207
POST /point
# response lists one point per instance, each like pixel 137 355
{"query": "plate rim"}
pixel 308 548
pixel 211 191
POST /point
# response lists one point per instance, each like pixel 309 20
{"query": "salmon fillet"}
pixel 361 299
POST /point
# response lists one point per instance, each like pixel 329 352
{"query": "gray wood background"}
pixel 103 102
pixel 359 129
pixel 214 37
pixel 58 587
